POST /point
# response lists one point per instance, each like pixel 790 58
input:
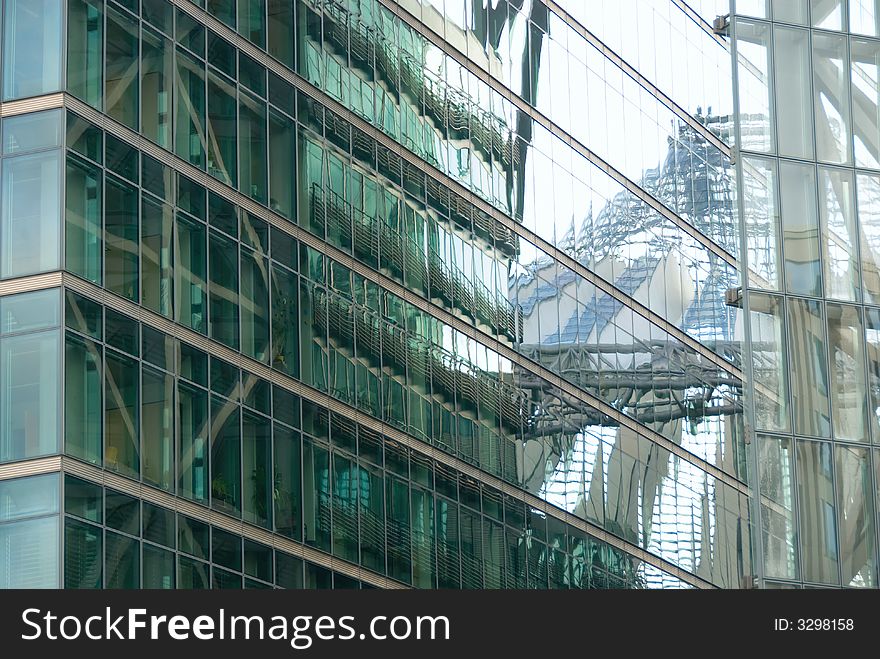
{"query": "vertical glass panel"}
pixel 82 399
pixel 226 549
pixel 31 47
pixel 222 122
pixel 190 109
pixel 855 501
pixel 193 460
pixel 122 560
pixel 122 68
pixel 800 227
pixel 809 368
pixel 372 519
pixel 281 32
pixel 223 269
pixel 158 568
pixel 85 41
pixel 863 17
pixel 818 523
pixel 282 169
pixel 847 372
pixel 254 305
pixel 422 516
pixel 831 98
pixel 190 33
pixel 121 238
pixel 828 14
pixel 259 480
pixel 285 321
pixel 225 456
pixel 872 334
pixel 32 132
pixel 252 147
pixel 761 210
pixel 792 11
pixel 29 395
pixel 83 246
pixel 157 78
pixel 252 21
pixel 157 283
pixel 754 79
pixel 770 364
pixel 288 482
pixel 83 555
pixel 31 223
pixel 191 272
pixel 794 117
pixel 865 79
pixel 868 193
pixel 121 403
pixel 157 419
pixel 839 234
pixel 29 554
pixel 345 508
pixel 316 496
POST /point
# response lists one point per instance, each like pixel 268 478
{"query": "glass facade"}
pixel 448 294
pixel 807 122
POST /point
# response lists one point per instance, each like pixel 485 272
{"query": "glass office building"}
pixel 438 293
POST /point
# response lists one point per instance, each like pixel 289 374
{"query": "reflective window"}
pixel 791 11
pixel 29 395
pixel 761 210
pixel 831 98
pixel 800 228
pixel 863 17
pixel 847 357
pixel 83 212
pixel 85 40
pixel 31 47
pixel 839 234
pixel 794 124
pixel 828 14
pixel 770 369
pixel 754 77
pixel 29 532
pixel 122 68
pixel 808 362
pixel 121 403
pixel 855 501
pixel 83 399
pixel 157 426
pixel 156 85
pixel 30 226
pixel 32 132
pixel 865 80
pixel 817 514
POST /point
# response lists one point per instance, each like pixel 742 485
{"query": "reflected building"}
pixel 432 293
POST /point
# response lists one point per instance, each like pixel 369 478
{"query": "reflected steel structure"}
pixel 417 293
